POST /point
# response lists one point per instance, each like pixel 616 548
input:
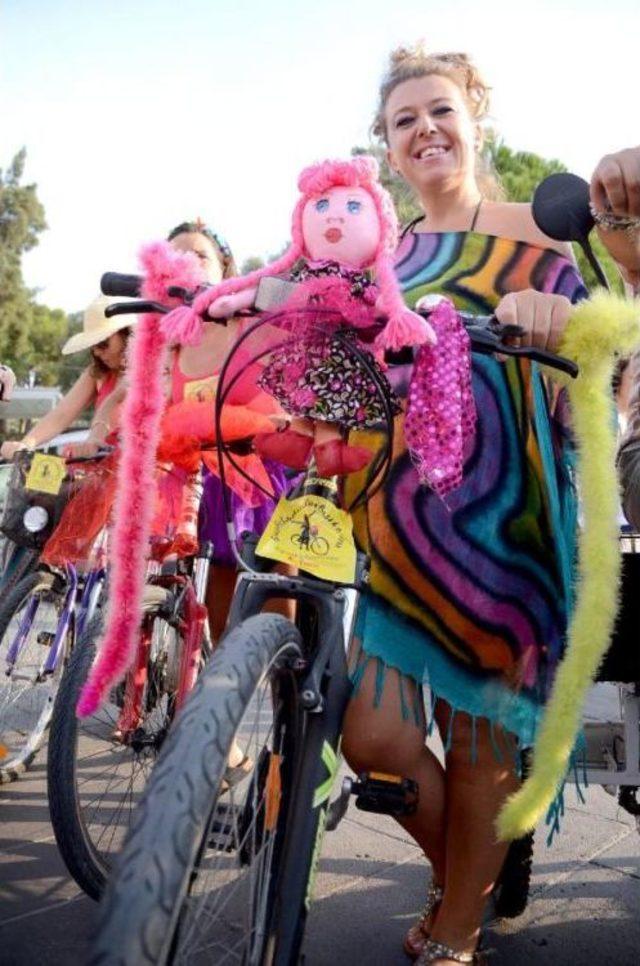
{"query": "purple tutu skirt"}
pixel 212 523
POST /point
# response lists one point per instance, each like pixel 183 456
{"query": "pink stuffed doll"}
pixel 343 226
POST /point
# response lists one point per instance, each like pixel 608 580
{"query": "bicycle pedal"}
pixel 386 794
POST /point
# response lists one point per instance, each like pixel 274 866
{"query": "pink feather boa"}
pixel 133 510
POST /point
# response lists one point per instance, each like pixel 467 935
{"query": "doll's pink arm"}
pixel 228 305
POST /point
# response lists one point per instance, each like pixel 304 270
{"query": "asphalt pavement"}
pixel 584 906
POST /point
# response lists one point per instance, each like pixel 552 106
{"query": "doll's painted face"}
pixel 341 225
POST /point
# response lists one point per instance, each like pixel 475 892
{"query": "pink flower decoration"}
pixel 303 397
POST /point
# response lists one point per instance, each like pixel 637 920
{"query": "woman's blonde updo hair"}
pixel 408 63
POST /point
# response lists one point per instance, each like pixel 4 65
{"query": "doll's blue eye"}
pixel 354 207
pixel 322 204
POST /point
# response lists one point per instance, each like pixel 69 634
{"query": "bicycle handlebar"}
pixel 115 283
pixel 487 335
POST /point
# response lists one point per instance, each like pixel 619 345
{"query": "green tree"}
pixel 21 220
pixel 520 172
pixel 406 205
pixel 70 367
pixel 251 264
pixel 48 332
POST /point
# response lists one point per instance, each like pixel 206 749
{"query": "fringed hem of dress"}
pixel 429 666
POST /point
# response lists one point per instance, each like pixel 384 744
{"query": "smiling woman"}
pixel 473 599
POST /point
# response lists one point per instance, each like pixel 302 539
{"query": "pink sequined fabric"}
pixel 441 415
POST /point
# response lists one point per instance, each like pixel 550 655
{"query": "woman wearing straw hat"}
pixel 107 340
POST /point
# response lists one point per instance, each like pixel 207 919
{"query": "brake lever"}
pixel 541 355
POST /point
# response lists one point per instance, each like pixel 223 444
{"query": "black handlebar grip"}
pixel 114 283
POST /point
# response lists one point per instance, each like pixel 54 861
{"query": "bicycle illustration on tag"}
pixel 314 534
pixel 309 537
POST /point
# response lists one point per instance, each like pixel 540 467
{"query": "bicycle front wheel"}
pixel 198 877
pixel 29 619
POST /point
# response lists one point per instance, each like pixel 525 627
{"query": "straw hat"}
pixel 96 327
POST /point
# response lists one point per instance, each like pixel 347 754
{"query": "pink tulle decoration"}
pixel 441 414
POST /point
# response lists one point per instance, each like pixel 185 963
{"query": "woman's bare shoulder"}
pixel 514 220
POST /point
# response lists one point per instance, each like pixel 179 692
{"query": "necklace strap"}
pixel 475 214
pixel 409 228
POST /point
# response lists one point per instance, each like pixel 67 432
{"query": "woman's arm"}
pixel 104 421
pixel 68 409
pixel 615 190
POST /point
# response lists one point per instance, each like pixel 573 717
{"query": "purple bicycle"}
pixel 40 619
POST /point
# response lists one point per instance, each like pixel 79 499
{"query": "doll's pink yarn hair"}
pixel 403 327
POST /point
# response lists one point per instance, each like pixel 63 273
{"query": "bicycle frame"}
pixel 180 589
pixel 80 595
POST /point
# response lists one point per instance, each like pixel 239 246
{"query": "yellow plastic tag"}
pixel 46 474
pixel 4 751
pixel 313 534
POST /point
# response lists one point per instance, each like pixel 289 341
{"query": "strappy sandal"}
pixel 417 936
pixel 433 950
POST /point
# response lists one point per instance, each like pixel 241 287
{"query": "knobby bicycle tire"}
pixel 16 762
pixel 18 563
pixel 88 829
pixel 147 899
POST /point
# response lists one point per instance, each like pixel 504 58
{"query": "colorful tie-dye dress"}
pixel 472 595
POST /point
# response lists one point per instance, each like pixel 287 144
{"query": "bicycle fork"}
pixel 191 628
pixel 50 662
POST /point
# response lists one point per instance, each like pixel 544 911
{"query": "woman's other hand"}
pixel 615 188
pixel 540 315
pixel 615 183
pixel 10 447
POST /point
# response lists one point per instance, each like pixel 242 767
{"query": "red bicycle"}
pixel 98 766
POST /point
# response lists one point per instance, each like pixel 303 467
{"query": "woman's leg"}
pixel 380 739
pixel 222 582
pixel 477 783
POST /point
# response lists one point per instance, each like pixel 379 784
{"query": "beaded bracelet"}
pixel 611 222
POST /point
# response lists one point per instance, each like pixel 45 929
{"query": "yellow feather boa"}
pixel 599 329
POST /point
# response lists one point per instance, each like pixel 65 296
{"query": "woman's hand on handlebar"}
pixel 12 446
pixel 542 316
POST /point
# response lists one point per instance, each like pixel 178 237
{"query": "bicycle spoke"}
pixel 224 912
pixel 25 705
pixel 111 769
